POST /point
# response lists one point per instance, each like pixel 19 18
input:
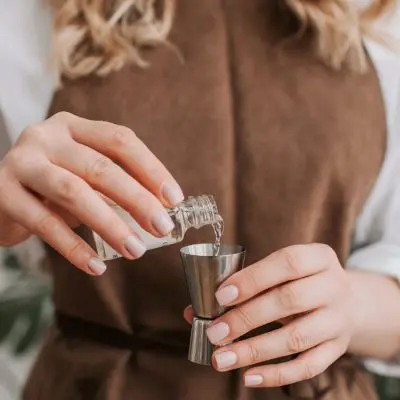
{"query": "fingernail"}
pixel 253 380
pixel 172 193
pixel 162 223
pixel 226 359
pixel 217 332
pixel 134 246
pixel 227 295
pixel 97 266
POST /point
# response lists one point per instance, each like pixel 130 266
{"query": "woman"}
pixel 274 106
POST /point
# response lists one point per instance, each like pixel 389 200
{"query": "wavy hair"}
pixel 100 36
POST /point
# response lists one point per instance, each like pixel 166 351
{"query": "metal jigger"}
pixel 204 272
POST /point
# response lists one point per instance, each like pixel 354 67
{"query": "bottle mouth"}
pixel 208 250
pixel 211 203
pixel 201 211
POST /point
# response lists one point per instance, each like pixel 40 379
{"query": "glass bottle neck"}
pixel 200 211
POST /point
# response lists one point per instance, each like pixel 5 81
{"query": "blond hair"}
pixel 101 36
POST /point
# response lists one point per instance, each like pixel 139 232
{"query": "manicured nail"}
pixel 172 193
pixel 134 246
pixel 217 332
pixel 253 380
pixel 97 266
pixel 226 359
pixel 162 223
pixel 227 295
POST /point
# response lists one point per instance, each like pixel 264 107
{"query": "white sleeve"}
pixel 376 245
pixel 377 236
pixel 26 81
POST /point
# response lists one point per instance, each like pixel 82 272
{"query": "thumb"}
pixel 188 314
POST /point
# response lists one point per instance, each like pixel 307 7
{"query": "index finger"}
pixel 123 146
pixel 288 264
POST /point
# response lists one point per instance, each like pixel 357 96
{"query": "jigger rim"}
pixel 208 250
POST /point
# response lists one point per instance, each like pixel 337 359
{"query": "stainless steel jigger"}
pixel 204 273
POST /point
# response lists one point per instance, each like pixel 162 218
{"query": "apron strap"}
pixel 169 342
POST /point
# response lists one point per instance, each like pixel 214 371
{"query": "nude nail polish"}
pixel 162 223
pixel 225 359
pixel 218 332
pixel 227 295
pixel 172 194
pixel 96 266
pixel 134 246
pixel 253 380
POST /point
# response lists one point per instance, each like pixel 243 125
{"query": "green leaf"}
pixel 11 261
pixel 22 306
pixel 8 316
pixel 388 388
pixel 33 315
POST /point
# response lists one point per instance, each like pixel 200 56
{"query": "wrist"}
pixel 375 314
pixel 358 310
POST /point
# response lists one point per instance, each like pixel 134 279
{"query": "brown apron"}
pixel 290 148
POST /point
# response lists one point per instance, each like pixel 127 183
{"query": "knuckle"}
pixel 288 297
pixel 46 225
pixel 63 115
pixel 144 205
pixel 76 250
pixel 326 248
pixel 250 277
pixel 278 377
pixel 123 137
pixel 27 164
pixel 14 158
pixel 253 353
pixel 99 168
pixel 293 260
pixel 34 132
pixel 297 342
pixel 244 318
pixel 67 190
pixel 326 251
pixel 309 370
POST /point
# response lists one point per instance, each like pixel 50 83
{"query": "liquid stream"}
pixel 218 228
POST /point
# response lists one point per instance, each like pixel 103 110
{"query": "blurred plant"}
pixel 25 313
pixel 388 388
pixel 24 306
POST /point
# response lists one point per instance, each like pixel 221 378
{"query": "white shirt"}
pixel 26 89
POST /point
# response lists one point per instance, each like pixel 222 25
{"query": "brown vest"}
pixel 291 150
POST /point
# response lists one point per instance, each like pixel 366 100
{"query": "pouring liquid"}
pixel 218 231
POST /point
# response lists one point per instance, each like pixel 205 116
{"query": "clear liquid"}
pixel 218 228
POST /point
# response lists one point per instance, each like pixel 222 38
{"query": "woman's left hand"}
pixel 305 285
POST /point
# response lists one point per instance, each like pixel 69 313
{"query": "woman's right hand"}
pixel 64 169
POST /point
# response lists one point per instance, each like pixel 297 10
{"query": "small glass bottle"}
pixel 195 212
